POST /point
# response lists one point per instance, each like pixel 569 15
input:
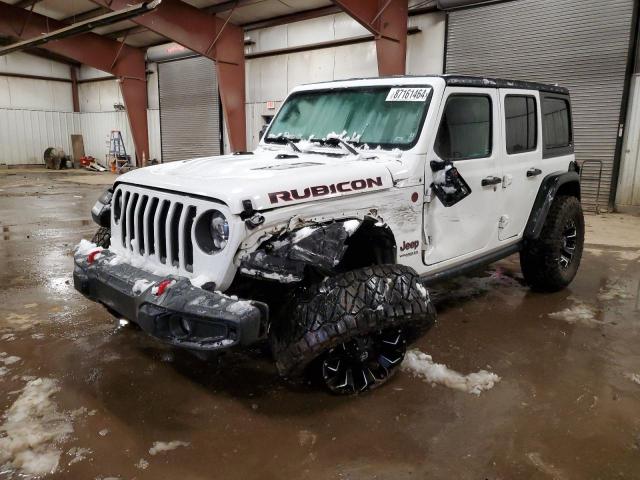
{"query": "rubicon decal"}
pixel 322 190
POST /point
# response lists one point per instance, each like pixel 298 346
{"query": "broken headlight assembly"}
pixel 212 231
pixel 101 211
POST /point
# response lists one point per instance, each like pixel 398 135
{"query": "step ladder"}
pixel 117 157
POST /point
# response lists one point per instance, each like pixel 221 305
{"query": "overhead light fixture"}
pixel 84 26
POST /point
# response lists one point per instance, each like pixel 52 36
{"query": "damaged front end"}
pixel 285 257
pixel 169 308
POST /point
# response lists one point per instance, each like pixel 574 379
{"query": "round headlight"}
pixel 212 231
pixel 219 228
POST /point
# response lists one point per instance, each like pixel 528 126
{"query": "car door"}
pixel 467 137
pixel 521 159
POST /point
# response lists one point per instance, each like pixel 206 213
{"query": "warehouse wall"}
pixel 99 116
pixel 34 114
pixel 628 194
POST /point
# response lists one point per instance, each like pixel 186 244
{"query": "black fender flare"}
pixel 549 188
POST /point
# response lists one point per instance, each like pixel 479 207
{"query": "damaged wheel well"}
pixel 371 244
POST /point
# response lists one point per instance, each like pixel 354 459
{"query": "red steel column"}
pixel 123 61
pixel 74 89
pixel 211 37
pixel 387 20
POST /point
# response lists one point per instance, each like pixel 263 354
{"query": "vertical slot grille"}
pixel 162 237
pixel 156 225
pixel 187 242
pixel 131 212
pixel 125 204
pixel 150 222
pixel 140 224
pixel 174 231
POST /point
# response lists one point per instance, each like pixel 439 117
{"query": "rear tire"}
pixel 102 237
pixel 551 262
pixel 353 325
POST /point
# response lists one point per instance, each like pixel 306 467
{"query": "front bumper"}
pixel 183 316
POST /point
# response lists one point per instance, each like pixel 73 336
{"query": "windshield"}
pixel 389 117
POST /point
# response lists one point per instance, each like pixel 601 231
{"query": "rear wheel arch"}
pixel 553 185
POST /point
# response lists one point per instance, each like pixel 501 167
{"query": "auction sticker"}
pixel 397 94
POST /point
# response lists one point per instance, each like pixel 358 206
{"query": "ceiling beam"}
pixel 26 3
pixel 41 53
pixel 81 27
pixel 387 21
pixel 213 38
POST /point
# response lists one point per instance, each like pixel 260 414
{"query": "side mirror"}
pixel 263 130
pixel 448 185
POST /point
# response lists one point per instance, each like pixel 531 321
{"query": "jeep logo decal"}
pixel 321 190
pixel 409 245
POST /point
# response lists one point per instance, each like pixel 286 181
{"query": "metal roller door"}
pixel 189 109
pixel 579 44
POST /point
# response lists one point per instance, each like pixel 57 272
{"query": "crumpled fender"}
pixel 285 257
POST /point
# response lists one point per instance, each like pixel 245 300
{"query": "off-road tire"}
pixel 356 303
pixel 102 237
pixel 541 259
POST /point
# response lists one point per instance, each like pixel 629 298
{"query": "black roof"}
pixel 470 81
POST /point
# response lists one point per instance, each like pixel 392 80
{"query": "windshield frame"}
pixel 372 146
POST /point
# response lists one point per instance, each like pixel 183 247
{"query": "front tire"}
pixel 551 262
pixel 351 330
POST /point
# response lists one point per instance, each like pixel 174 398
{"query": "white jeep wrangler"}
pixel 322 239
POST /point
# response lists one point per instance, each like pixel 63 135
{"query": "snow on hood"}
pixel 268 178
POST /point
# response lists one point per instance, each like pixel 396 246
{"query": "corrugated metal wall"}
pixel 580 44
pixel 25 134
pixel 628 194
pixel 189 109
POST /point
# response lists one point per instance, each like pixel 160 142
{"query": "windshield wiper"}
pixel 287 141
pixel 335 141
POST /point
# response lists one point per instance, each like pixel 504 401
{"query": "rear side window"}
pixel 556 126
pixel 465 128
pixel 521 124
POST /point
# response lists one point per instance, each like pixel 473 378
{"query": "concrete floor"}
pixel 566 406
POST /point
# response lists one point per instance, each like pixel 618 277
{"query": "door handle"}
pixel 533 172
pixel 489 181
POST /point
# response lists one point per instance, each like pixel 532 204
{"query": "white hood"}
pixel 266 180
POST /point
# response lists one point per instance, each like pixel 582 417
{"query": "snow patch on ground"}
pixel 8 360
pixel 580 313
pixel 634 377
pixel 20 321
pixel 32 428
pixel 142 464
pixel 159 447
pixel 421 365
pixel 78 454
pixel 613 291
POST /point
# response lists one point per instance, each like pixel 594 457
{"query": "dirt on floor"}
pixel 87 399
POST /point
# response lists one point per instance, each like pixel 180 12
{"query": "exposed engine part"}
pixel 284 258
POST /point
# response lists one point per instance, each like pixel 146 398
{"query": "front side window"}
pixel 465 128
pixel 556 123
pixel 390 117
pixel 521 124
